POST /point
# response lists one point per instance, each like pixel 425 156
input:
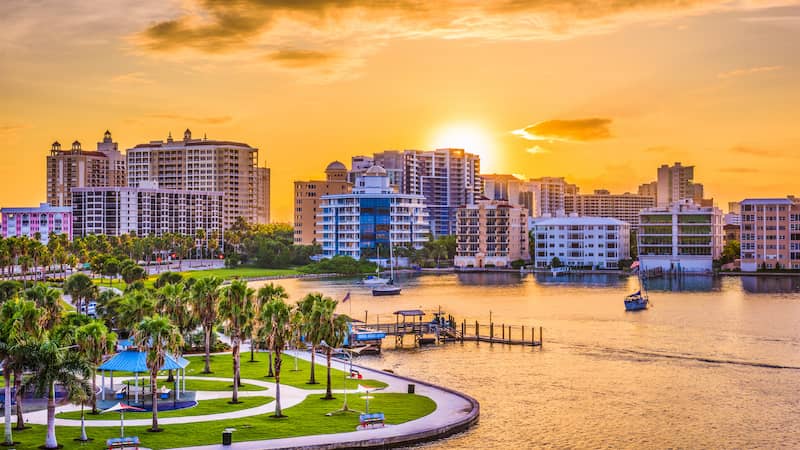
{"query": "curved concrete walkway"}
pixel 455 412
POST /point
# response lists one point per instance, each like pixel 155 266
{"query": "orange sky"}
pixel 599 91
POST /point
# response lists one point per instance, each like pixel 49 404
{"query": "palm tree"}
pixel 332 329
pixel 157 335
pixel 265 295
pixel 236 310
pixel 9 289
pixel 77 394
pixel 94 342
pixel 48 299
pixel 80 287
pixel 174 302
pixel 297 333
pixel 306 306
pixel 205 296
pixel 21 323
pixel 276 315
pixel 134 307
pixel 51 364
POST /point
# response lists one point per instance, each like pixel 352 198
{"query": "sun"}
pixel 470 137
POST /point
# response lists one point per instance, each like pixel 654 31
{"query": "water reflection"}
pixel 489 278
pixel 601 279
pixel 685 283
pixel 768 285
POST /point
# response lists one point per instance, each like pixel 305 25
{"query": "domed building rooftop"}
pixel 336 165
pixel 376 171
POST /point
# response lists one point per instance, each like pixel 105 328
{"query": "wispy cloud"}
pixel 748 71
pixel 210 120
pixel 756 151
pixel 296 58
pixel 10 129
pixel 132 78
pixel 576 130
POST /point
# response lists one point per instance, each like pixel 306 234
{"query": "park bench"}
pixel 120 394
pixel 371 420
pixel 123 443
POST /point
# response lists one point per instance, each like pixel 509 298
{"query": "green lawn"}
pixel 304 419
pixel 222 366
pixel 204 407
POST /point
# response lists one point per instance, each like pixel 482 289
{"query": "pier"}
pixel 443 329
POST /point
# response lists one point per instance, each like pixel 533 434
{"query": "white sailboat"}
pixel 376 280
pixel 390 288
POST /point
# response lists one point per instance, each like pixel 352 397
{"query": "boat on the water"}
pixel 386 290
pixel 636 301
pixel 375 280
pixel 639 299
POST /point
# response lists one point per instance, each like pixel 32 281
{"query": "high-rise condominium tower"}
pixel 203 165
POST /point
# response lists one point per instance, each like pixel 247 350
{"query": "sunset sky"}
pixel 598 91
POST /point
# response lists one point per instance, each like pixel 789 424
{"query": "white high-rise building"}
pixel 371 218
pixel 676 183
pixel 548 195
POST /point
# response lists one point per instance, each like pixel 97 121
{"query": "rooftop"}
pixel 582 220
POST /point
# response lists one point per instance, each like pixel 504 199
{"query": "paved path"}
pixel 451 408
pixel 290 396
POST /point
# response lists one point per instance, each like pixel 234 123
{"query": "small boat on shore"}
pixel 375 280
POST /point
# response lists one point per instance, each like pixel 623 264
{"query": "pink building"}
pixel 43 220
pixel 770 233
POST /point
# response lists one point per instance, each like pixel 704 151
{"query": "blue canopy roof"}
pixel 134 361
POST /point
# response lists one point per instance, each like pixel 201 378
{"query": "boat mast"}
pixel 391 258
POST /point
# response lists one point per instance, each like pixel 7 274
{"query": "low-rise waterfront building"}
pixel 44 219
pixel 491 233
pixel 371 218
pixel 770 233
pixel 682 236
pixel 147 210
pixel 586 242
pixel 307 197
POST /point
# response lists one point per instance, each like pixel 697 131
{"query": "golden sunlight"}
pixel 470 137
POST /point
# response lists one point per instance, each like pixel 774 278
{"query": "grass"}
pixel 224 273
pixel 304 419
pixel 204 407
pixel 222 366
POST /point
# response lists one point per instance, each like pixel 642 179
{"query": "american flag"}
pixel 346 297
pixel 635 265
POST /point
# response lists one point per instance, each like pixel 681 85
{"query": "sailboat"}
pixel 390 288
pixel 638 300
pixel 376 280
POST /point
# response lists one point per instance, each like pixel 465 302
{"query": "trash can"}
pixel 411 388
pixel 227 437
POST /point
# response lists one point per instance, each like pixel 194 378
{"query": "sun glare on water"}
pixel 470 137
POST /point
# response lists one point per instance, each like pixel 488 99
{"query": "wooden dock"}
pixel 425 333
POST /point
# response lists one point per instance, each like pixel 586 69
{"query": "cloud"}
pixel 295 58
pixel 741 170
pixel 755 151
pixel 211 120
pixel 747 71
pixel 536 149
pixel 132 78
pixel 333 31
pixel 11 129
pixel 577 130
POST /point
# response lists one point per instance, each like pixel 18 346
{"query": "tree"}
pixel 133 273
pixel 167 278
pixel 332 329
pixel 236 311
pixel 9 289
pixel 555 262
pixel 276 315
pixel 48 299
pixel 265 295
pixel 134 307
pixel 94 342
pixel 310 327
pixel 77 394
pixel 730 252
pixel 205 296
pixel 21 324
pixel 80 288
pixel 50 364
pixel 157 335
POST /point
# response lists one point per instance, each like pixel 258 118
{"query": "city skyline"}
pixel 716 87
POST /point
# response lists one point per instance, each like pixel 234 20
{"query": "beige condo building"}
pixel 625 207
pixel 307 195
pixel 77 168
pixel 204 165
pixel 491 233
